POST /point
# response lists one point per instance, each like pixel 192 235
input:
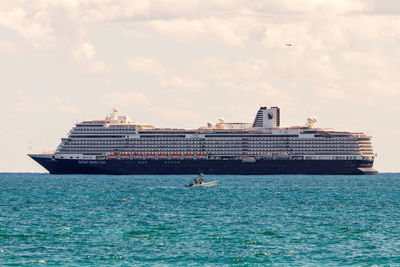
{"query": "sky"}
pixel 174 63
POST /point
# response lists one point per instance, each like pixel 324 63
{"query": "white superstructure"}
pixel 119 137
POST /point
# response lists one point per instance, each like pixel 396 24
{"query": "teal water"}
pixel 297 220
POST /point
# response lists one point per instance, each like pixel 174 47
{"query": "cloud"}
pixel 97 66
pixel 28 103
pixel 51 23
pixel 385 7
pixel 167 9
pixel 30 21
pixel 85 54
pixel 219 70
pixel 9 47
pixel 25 102
pixel 331 91
pixel 152 110
pixel 260 91
pixel 126 98
pixel 64 108
pixel 182 82
pixel 319 6
pixel 147 66
pixel 225 31
pixel 86 51
pixel 175 114
pixel 167 78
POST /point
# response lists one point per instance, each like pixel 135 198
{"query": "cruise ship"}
pixel 117 145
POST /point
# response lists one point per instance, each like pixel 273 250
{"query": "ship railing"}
pixel 48 152
pixel 129 155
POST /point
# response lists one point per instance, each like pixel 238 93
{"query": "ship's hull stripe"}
pixel 189 166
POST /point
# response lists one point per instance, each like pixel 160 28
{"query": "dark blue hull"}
pixel 189 166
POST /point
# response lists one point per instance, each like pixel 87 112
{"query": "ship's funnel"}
pixel 267 118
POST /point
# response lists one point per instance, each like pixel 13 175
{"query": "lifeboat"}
pixel 201 155
pixel 149 155
pixel 112 155
pixel 282 155
pixel 124 155
pixel 267 155
pixel 137 155
pixel 175 155
pixel 249 159
pixel 162 155
pixel 188 155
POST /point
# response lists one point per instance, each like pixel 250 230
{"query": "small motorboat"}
pixel 199 181
pixel 209 184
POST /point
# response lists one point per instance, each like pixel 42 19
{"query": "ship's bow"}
pixel 45 160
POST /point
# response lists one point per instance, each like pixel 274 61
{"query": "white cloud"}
pixel 175 114
pixel 147 66
pixel 68 108
pixel 25 103
pixel 188 84
pixel 166 77
pixel 33 103
pixel 9 46
pixel 48 23
pixel 86 51
pixel 326 6
pixel 126 98
pixel 219 70
pixel 154 111
pixel 30 21
pixel 85 54
pixel 97 66
pixel 260 91
pixel 238 23
pixel 331 91
pixel 228 32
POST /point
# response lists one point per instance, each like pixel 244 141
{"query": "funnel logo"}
pixel 270 116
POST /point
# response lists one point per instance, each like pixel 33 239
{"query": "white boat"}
pixel 209 184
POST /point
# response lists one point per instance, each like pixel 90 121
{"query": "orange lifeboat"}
pixel 137 155
pixel 201 155
pixel 188 155
pixel 175 155
pixel 112 155
pixel 149 155
pixel 124 155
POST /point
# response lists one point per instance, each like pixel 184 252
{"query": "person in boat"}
pixel 200 179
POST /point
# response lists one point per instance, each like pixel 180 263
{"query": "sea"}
pixel 154 220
